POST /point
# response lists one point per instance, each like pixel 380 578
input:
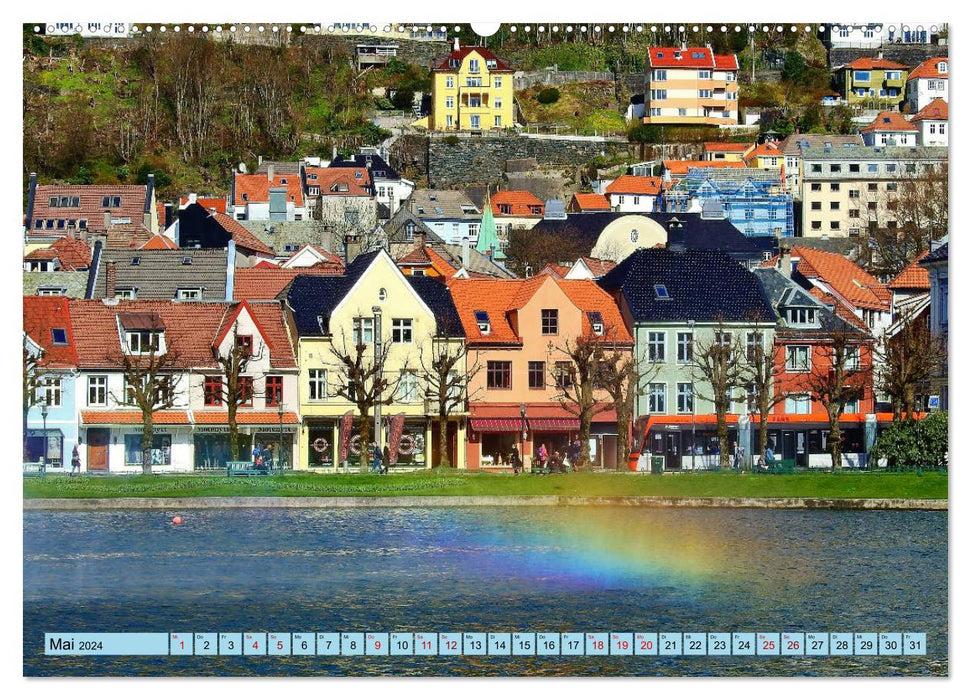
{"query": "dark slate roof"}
pixel 376 164
pixel 395 227
pixel 160 273
pixel 782 291
pixel 693 233
pixel 313 296
pixel 703 285
pixel 939 255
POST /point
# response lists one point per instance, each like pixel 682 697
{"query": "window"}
pixel 891 187
pixel 537 375
pixel 363 330
pixel 245 387
pixel 98 390
pixel 448 123
pixel 816 167
pixel 659 75
pixel 872 167
pixel 317 384
pixel 661 292
pixel 686 397
pixel 620 199
pixel 51 291
pixel 499 374
pixel 408 387
pixel 656 342
pixel 852 360
pixel 834 187
pixel 110 202
pixel 274 391
pixel 473 65
pixel 835 167
pixel 497 121
pixel 194 294
pixel 704 94
pixel 49 391
pixel 816 187
pixel 212 391
pixel 482 320
pixel 401 330
pixel 449 81
pixel 704 75
pixel 124 293
pixel 854 167
pixel 871 187
pixel 144 342
pixel 891 167
pixel 497 103
pixel 686 343
pixel 497 81
pixel 659 94
pixel 834 225
pixel 854 194
pixel 862 76
pixel 798 404
pixel 474 121
pixel 596 322
pixel 550 321
pixel 797 358
pixel 564 375
pixel 754 346
pixel 833 206
pixel 815 225
pixel 816 206
pixel 657 394
pixel 161 450
pixel 724 339
pixel 449 102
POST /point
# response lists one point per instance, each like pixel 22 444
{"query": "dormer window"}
pixel 145 342
pixel 186 260
pixel 311 176
pixel 942 67
pixel 283 181
pixel 313 191
pixel 245 197
pixel 482 321
pixel 189 294
pixel 111 202
pixel 801 317
pixel 596 322
pixel 125 293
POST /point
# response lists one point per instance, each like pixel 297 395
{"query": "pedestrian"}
pixel 385 460
pixel 517 464
pixel 769 457
pixel 542 454
pixel 258 455
pixel 268 457
pixel 556 463
pixel 739 454
pixel 75 461
pixel 375 459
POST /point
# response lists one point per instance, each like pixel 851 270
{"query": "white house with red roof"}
pixel 690 85
pixel 927 82
pixel 889 129
pixel 634 193
pixel 267 197
pixel 931 123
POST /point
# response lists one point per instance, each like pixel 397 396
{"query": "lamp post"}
pixel 279 415
pixel 694 445
pixel 376 310
pixel 522 416
pixel 43 413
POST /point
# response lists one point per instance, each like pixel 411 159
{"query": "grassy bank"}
pixel 855 485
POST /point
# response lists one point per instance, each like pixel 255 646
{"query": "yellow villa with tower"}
pixel 472 90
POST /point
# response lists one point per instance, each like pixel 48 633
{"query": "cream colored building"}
pixel 690 85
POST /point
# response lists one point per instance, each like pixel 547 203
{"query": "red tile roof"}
pixel 73 253
pixel 244 417
pixel 691 57
pixel 720 146
pixel 133 417
pixel 158 242
pixel 936 109
pixel 127 236
pixel 588 201
pixel 340 182
pixel 914 276
pixel 555 270
pixel 266 264
pixel 599 267
pixel 217 203
pixel 262 283
pixel 635 184
pixel 41 315
pixel 257 188
pixel 486 54
pixel 681 167
pixel 89 206
pixel 846 278
pixel 242 237
pixel 874 63
pixel 763 150
pixel 928 69
pixel 518 202
pixel 329 259
pixel 889 121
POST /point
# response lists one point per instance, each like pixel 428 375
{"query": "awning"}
pixel 496 425
pixel 554 425
pixel 133 418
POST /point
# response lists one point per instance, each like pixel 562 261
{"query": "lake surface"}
pixel 559 569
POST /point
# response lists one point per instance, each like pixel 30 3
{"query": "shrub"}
pixel 548 96
pixel 403 99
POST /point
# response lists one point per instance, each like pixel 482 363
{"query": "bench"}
pixel 34 469
pixel 244 469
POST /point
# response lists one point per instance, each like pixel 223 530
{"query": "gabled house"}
pixel 389 188
pixel 197 228
pixel 889 129
pixel 68 253
pixel 314 256
pixel 267 197
pixel 472 90
pixel 50 423
pixel 936 263
pixel 515 209
pixel 720 150
pixel 373 299
pixel 589 269
pixel 516 332
pixel 931 122
pixel 177 275
pixel 926 83
pixel 690 85
pixel 586 202
pixel 343 198
pixel 792 148
pixel 634 193
pixel 192 433
pixel 765 156
pixel 875 80
pixel 910 290
pixel 450 214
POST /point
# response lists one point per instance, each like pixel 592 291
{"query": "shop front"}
pixel 46 446
pixel 269 432
pixel 114 441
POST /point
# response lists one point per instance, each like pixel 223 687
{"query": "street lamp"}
pixel 279 415
pixel 694 445
pixel 43 413
pixel 522 416
pixel 376 310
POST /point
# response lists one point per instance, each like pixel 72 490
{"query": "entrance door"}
pixel 671 452
pixel 788 444
pixel 98 449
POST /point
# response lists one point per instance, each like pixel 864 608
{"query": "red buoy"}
pixel 177 520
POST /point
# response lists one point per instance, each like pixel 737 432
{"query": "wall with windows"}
pixel 690 96
pixel 799 361
pixel 58 390
pixel 470 96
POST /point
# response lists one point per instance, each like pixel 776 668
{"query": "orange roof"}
pixel 329 259
pixel 839 308
pixel 889 121
pixel 928 69
pixel 681 167
pixel 133 417
pixel 599 267
pixel 158 242
pixel 340 182
pixel 588 201
pixel 871 63
pixel 217 203
pixel 244 417
pixel 41 316
pixel 242 237
pixel 691 57
pixel 767 149
pixel 554 270
pixel 935 109
pixel 914 276
pixel 500 297
pixel 425 256
pixel 256 188
pixel 635 184
pixel 516 203
pixel 846 278
pixel 256 283
pixel 723 147
pixel 73 253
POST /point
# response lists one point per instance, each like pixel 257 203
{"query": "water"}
pixel 564 569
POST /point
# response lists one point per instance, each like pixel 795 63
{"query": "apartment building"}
pixel 690 86
pixel 847 190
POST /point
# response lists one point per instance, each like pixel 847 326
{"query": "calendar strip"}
pixel 501 644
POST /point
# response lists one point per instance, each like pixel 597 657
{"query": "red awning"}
pixel 554 425
pixel 496 425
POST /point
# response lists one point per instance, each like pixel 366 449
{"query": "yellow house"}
pixel 472 90
pixel 767 156
pixel 415 321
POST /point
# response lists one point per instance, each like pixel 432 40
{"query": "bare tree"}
pixel 623 376
pixel 445 373
pixel 759 377
pixel 908 354
pixel 836 377
pixel 235 388
pixel 33 381
pixel 150 383
pixel 363 382
pixel 719 364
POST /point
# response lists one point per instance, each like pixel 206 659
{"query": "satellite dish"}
pixel 242 168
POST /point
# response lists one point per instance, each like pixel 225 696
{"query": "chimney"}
pixel 347 260
pixel 230 269
pixel 269 173
pixel 333 155
pixel 420 239
pixel 168 216
pixel 147 220
pixel 259 161
pixel 31 193
pixel 456 44
pixel 465 252
pixel 110 280
pixel 785 258
pixel 879 55
pixel 193 197
pixel 107 219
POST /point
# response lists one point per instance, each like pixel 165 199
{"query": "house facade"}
pixel 890 129
pixel 931 122
pixel 268 196
pixel 926 83
pixel 936 263
pixel 690 85
pixel 450 214
pixel 388 187
pixel 634 193
pixel 472 90
pixel 792 147
pixel 872 81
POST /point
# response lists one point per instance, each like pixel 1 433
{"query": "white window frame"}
pixel 657 397
pixel 189 294
pixel 686 342
pixel 363 325
pixel 50 391
pixel 795 362
pixel 98 385
pixel 657 345
pixel 401 328
pixel 686 398
pixel 408 386
pixel 317 384
pixel 155 338
pixel 795 403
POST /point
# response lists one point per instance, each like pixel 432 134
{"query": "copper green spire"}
pixel 488 240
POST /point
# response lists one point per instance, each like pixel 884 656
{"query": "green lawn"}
pixel 848 485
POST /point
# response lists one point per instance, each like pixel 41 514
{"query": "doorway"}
pixel 98 449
